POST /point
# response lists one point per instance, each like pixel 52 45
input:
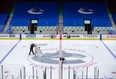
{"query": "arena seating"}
pixel 114 17
pixel 3 19
pixel 98 14
pixel 73 20
pixel 22 14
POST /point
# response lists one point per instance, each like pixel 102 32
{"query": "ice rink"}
pixel 84 59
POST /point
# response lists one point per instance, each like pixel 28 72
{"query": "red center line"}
pixel 60 56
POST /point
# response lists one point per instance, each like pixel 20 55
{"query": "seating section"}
pixel 3 19
pixel 75 13
pixel 46 13
pixel 114 17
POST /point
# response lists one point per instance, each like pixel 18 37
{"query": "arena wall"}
pixel 55 37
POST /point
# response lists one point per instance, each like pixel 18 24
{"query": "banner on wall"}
pixel 4 35
pixel 55 36
pixel 109 37
pixel 90 36
pixel 74 36
pixel 30 35
pixel 9 36
pixel 71 36
pixel 39 36
pixel 12 35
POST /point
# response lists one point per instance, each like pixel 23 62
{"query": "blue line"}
pixel 20 36
pixel 100 36
pixel 9 52
pixel 109 49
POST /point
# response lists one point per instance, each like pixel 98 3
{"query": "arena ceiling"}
pixel 56 0
pixel 59 0
pixel 111 3
pixel 48 0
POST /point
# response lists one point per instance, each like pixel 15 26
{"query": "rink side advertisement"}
pixel 109 37
pixel 9 36
pixel 55 37
pixel 81 37
pixel 40 37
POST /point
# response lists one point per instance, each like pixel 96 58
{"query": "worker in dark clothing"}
pixel 31 49
pixel 62 59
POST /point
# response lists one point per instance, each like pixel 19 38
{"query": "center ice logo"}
pixel 72 56
pixel 35 10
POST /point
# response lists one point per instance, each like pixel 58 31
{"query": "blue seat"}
pixel 23 14
pixel 76 12
pixel 114 17
pixel 3 19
